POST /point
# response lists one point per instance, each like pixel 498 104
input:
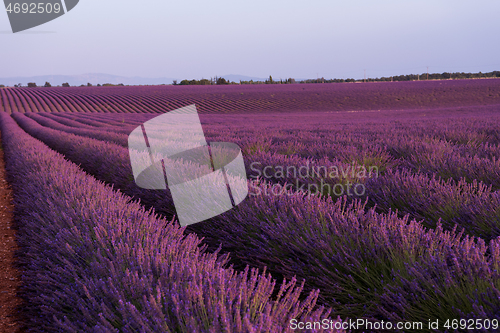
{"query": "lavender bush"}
pixel 93 260
pixel 424 196
pixel 117 138
pixel 364 262
pixel 83 122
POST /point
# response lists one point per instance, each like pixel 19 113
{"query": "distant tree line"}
pixel 203 82
pixel 442 76
pixel 409 77
pixel 66 84
pixel 222 81
pixel 323 80
pixel 270 81
pixel 414 77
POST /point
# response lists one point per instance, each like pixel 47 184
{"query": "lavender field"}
pixel 377 202
pixel 378 96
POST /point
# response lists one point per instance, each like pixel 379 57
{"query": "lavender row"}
pixel 119 266
pixel 469 206
pixel 245 140
pixel 480 162
pixel 385 145
pixel 110 162
pixel 117 138
pixel 254 162
pixel 325 138
pixel 257 164
pixel 106 161
pixel 91 119
pixel 126 118
pixel 368 265
pixel 418 196
pixel 469 167
pixel 64 118
pixel 419 95
pixel 72 121
pixel 365 263
pixel 423 197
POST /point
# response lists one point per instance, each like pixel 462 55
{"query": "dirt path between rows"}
pixel 9 276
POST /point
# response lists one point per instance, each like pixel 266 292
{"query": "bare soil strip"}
pixel 9 275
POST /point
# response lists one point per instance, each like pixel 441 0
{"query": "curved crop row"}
pixel 423 95
pixel 429 194
pixel 472 206
pixel 68 119
pixel 366 264
pixel 92 121
pixel 92 125
pixel 120 267
pixel 117 138
pixel 133 118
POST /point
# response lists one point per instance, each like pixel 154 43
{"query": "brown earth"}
pixel 10 281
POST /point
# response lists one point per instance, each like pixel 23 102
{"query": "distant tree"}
pixel 47 85
pixel 222 80
pixel 31 85
pixel 98 84
pixel 2 86
pixel 174 82
pixel 89 84
pixel 65 84
pixel 194 82
pixel 120 84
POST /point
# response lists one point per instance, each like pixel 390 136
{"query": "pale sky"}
pixel 283 38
